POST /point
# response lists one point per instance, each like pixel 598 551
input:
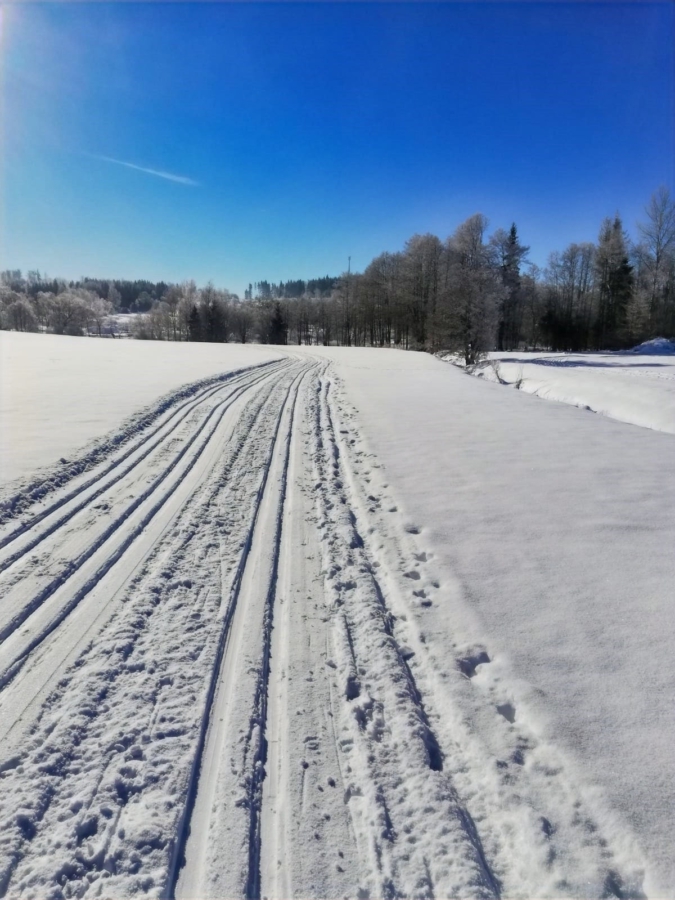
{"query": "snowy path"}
pixel 215 681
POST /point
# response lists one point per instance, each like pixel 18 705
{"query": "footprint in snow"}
pixel 468 664
pixel 507 710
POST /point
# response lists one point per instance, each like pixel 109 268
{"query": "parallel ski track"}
pixel 205 502
pixel 245 499
pixel 175 421
pixel 34 491
pixel 258 716
pixel 73 566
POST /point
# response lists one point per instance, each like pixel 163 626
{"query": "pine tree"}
pixel 510 254
pixel 194 324
pixel 614 276
pixel 278 326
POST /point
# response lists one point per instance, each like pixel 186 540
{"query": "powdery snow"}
pixel 347 623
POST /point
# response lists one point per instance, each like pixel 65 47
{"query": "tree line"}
pixel 37 302
pixel 475 292
pixel 469 293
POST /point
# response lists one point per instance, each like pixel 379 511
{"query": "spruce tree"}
pixel 194 324
pixel 278 326
pixel 615 284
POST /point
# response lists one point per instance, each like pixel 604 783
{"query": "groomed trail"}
pixel 214 680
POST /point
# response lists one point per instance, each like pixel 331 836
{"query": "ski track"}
pixel 8 667
pixel 216 680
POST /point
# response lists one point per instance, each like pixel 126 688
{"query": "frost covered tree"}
pixel 70 313
pixel 243 319
pixel 114 297
pixel 100 309
pixel 20 316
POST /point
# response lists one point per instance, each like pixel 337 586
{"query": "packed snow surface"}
pixel 637 390
pixel 340 623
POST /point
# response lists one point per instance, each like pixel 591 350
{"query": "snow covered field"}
pixel 57 393
pixel 342 623
pixel 638 388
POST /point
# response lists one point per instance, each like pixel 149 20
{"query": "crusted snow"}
pixel 343 623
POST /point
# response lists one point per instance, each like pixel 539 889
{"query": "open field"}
pixel 338 622
pixel 58 393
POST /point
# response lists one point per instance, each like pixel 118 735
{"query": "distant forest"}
pixel 470 293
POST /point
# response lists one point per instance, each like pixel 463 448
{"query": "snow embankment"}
pixel 655 347
pixel 639 391
pixel 58 393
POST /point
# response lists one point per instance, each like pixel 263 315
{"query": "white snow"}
pixel 58 393
pixel 348 624
pixel 655 347
pixel 559 527
pixel 639 391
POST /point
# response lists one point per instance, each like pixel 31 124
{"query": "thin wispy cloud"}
pixel 168 176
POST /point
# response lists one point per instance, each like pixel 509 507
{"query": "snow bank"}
pixel 655 347
pixel 58 393
pixel 617 385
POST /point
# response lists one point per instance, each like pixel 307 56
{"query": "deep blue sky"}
pixel 318 131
